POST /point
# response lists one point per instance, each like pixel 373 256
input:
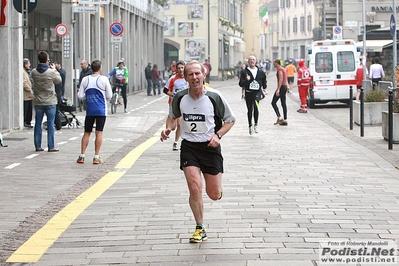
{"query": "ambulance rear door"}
pixel 346 63
pixel 322 71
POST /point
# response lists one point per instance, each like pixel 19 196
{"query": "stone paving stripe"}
pixel 11 166
pixel 128 161
pixel 31 156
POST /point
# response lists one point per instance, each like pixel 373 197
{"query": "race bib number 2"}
pixel 194 124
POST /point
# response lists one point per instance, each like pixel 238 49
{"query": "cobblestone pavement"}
pixel 286 189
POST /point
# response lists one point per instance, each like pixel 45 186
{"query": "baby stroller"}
pixel 65 116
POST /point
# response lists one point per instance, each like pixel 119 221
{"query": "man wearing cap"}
pixel 121 79
pixel 148 77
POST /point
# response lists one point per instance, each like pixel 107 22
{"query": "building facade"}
pixel 87 36
pixel 205 29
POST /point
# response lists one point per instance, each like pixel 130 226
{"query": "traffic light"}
pixel 2 14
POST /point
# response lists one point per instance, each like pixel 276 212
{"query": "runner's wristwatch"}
pixel 218 134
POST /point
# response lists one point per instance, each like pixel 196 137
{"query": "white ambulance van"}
pixel 332 65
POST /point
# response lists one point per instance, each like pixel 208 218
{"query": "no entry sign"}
pixel 116 29
pixel 61 30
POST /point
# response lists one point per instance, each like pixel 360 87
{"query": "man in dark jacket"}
pixel 63 77
pixel 59 90
pixel 148 77
pixel 253 80
pixel 86 71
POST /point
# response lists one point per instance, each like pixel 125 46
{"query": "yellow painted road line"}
pixel 128 161
pixel 34 248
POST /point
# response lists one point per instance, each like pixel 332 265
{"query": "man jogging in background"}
pixel 303 86
pixel 254 81
pixel 175 84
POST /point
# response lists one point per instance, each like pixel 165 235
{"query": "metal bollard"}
pixel 351 108
pixel 390 119
pixel 362 112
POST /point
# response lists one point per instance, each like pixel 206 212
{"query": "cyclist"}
pixel 121 74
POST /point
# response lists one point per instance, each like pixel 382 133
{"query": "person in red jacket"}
pixel 303 86
pixel 359 79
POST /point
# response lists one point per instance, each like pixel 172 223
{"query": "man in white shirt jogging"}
pixel 206 117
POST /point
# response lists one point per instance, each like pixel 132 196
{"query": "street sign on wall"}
pixel 116 28
pixel 116 39
pixel 20 5
pixel 85 9
pixel 61 30
pixel 98 2
pixel 337 33
pixel 392 25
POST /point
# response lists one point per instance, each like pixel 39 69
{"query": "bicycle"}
pixel 116 99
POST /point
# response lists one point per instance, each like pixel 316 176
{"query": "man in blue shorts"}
pixel 206 117
pixel 97 90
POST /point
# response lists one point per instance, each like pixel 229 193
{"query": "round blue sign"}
pixel 337 30
pixel 392 25
pixel 116 29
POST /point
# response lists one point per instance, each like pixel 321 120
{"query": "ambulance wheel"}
pixel 311 103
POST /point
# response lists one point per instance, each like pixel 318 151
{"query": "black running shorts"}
pixel 208 159
pixel 89 123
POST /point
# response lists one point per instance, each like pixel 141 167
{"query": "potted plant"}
pixel 385 122
pixel 374 103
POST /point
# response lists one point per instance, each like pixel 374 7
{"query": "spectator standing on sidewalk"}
pixel 243 67
pixel 208 65
pixel 63 77
pixel 359 78
pixel 97 90
pixel 44 77
pixel 28 94
pixel 85 71
pixel 172 68
pixel 291 70
pixel 148 77
pixel 303 83
pixel 207 117
pixel 376 72
pixel 280 93
pixel 253 80
pixel 156 80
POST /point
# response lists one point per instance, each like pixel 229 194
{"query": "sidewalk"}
pixel 285 190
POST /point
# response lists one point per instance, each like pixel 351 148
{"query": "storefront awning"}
pixel 375 46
